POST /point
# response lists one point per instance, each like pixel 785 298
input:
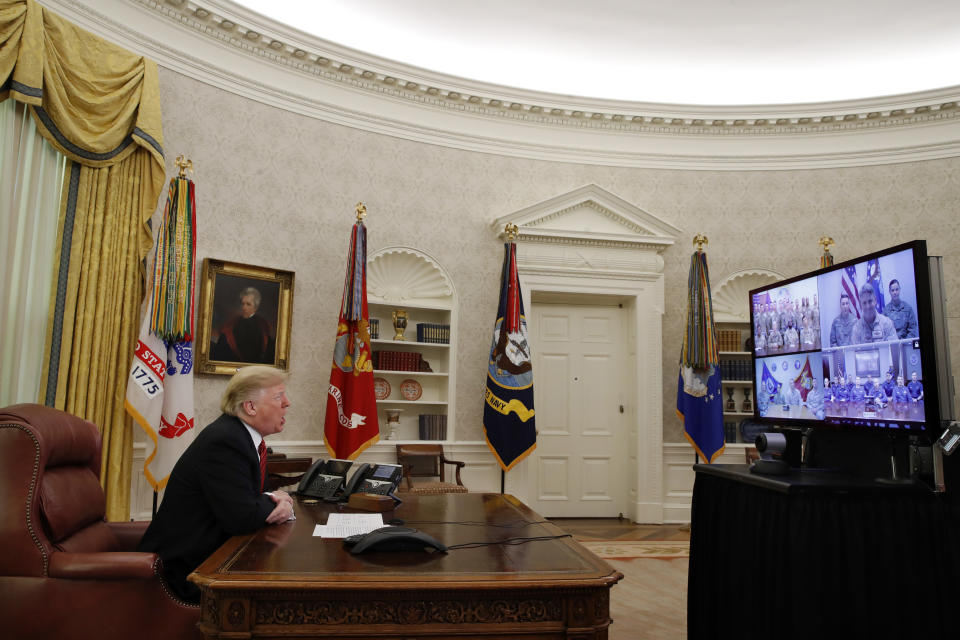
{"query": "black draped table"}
pixel 817 554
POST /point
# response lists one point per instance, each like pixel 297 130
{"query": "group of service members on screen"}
pixel 897 321
pixel 794 325
pixel 839 394
pixel 789 325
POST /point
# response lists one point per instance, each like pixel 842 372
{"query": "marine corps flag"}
pixel 351 423
pixel 699 401
pixel 804 382
pixel 508 418
pixel 160 386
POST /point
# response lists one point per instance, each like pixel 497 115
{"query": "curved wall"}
pixel 283 152
pixel 277 188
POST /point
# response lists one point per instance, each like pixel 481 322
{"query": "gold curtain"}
pixel 98 104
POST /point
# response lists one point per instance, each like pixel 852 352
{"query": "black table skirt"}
pixel 823 563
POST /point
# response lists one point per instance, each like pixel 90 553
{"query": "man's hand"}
pixel 282 512
pixel 278 496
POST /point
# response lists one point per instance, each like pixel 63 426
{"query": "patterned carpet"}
pixel 651 600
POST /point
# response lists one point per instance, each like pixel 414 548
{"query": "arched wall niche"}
pixel 731 295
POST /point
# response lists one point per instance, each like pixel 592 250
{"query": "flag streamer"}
pixel 173 278
pixel 700 341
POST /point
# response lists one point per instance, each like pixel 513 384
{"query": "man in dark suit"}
pixel 215 490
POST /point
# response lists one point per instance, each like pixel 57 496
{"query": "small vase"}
pixel 393 421
pixel 399 324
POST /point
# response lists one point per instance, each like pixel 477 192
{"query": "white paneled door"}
pixel 579 466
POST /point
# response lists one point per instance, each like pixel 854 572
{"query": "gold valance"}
pixel 94 101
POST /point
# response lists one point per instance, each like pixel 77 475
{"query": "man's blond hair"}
pixel 247 384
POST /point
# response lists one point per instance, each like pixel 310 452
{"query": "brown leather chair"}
pixel 427 461
pixel 64 571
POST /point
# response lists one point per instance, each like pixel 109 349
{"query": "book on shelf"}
pixel 729 340
pixel 433 426
pixel 434 333
pixel 386 360
pixel 730 431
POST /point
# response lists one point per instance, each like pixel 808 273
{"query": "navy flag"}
pixel 699 400
pixel 508 420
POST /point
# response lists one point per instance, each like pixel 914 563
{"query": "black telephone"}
pixel 393 539
pixel 324 479
pixel 381 479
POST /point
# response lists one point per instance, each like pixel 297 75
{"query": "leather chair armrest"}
pixel 104 565
pixel 128 533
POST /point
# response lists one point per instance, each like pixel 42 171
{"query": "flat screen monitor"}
pixel 848 346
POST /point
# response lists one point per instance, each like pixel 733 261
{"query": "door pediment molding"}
pixel 590 216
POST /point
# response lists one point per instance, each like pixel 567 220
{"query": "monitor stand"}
pixel 894 478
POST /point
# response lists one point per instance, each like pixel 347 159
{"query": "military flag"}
pixel 351 423
pixel 804 381
pixel 876 281
pixel 769 384
pixel 508 415
pixel 699 401
pixel 160 387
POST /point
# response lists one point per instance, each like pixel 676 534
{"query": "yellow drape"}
pixel 98 104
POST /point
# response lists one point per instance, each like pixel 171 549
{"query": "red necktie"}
pixel 262 450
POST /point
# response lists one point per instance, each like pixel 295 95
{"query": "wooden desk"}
pixel 283 582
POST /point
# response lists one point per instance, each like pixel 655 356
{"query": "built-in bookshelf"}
pixel 731 306
pixel 414 303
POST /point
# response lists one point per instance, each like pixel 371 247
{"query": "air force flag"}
pixel 699 401
pixel 508 419
pixel 700 406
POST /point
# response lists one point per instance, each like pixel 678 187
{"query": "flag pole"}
pixel 698 241
pixel 826 260
pixel 511 230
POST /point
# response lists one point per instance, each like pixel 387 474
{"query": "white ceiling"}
pixel 709 52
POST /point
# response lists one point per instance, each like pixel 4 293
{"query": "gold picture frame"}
pixel 229 336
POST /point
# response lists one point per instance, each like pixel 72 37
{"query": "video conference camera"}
pixel 771 447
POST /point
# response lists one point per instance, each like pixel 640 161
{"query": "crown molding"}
pixel 227 46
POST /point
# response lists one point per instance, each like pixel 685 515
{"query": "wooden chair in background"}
pixel 428 461
pixel 283 471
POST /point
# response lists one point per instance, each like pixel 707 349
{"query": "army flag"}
pixel 160 386
pixel 508 416
pixel 351 423
pixel 699 400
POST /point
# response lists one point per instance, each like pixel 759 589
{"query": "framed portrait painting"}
pixel 245 317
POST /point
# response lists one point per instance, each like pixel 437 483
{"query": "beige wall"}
pixel 278 189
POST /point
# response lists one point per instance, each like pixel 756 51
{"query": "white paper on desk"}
pixel 341 525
